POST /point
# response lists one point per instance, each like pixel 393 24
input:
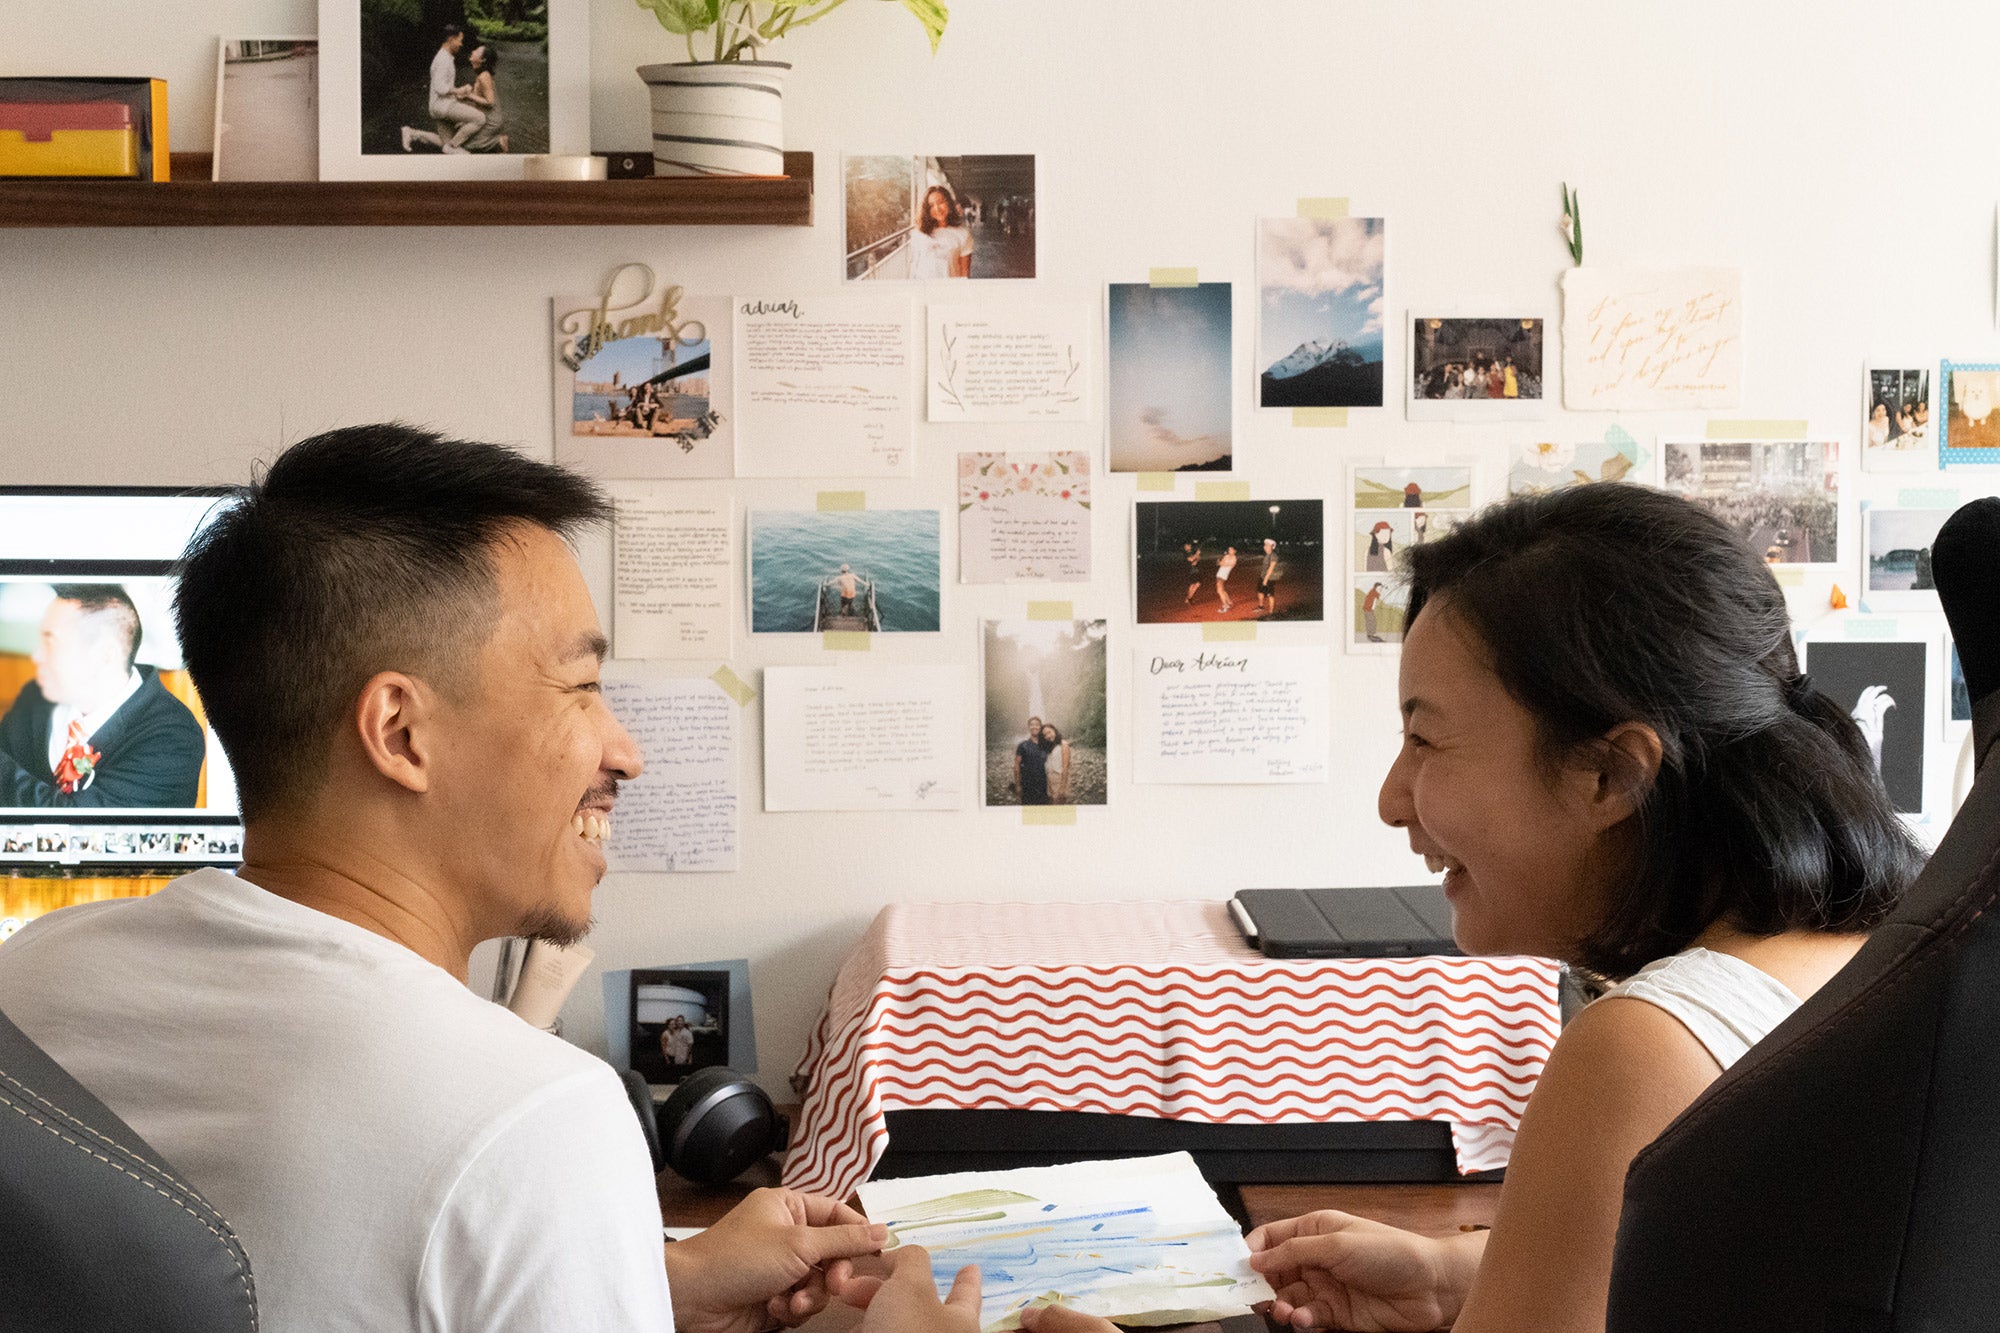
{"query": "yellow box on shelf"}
pixel 83 128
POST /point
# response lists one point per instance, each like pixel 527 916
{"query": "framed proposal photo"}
pixel 450 89
pixel 680 1022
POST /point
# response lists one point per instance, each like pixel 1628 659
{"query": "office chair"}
pixel 96 1231
pixel 1840 1176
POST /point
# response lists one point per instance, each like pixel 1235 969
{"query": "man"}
pixel 455 118
pixel 1031 773
pixel 846 591
pixel 94 729
pixel 1267 582
pixel 398 653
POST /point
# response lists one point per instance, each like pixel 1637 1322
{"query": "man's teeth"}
pixel 590 825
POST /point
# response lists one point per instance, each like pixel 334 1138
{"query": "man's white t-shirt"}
pixel 393 1151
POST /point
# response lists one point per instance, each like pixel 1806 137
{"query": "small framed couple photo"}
pixel 680 1022
pixel 450 89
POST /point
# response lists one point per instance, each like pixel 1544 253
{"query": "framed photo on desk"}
pixel 680 1022
pixel 434 99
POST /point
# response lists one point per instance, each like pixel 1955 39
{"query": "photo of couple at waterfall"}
pixel 1045 723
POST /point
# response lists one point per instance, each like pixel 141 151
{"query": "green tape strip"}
pixel 1757 430
pixel 1222 490
pixel 834 502
pixel 1050 611
pixel 1868 627
pixel 1229 631
pixel 733 685
pixel 846 640
pixel 1175 277
pixel 1319 416
pixel 1156 481
pixel 1941 497
pixel 1322 208
pixel 1048 814
pixel 1793 576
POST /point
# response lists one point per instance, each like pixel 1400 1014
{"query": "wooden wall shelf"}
pixel 192 200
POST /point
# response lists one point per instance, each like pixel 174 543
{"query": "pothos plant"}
pixel 742 28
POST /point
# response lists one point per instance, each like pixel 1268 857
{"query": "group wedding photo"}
pixel 1045 712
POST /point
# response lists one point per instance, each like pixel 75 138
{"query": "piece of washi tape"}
pixel 1048 814
pixel 733 685
pixel 1319 416
pixel 1229 631
pixel 834 502
pixel 1772 429
pixel 846 640
pixel 1933 497
pixel 1050 611
pixel 1222 490
pixel 1870 627
pixel 1156 481
pixel 1792 576
pixel 1175 277
pixel 1322 208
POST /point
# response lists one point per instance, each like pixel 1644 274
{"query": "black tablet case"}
pixel 1350 923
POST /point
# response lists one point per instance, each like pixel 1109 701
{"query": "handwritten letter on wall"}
pixel 1240 713
pixel 1639 341
pixel 1010 363
pixel 680 813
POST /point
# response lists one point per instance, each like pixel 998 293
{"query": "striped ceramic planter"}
pixel 718 119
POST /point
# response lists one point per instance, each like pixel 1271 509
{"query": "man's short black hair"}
pixel 114 603
pixel 451 30
pixel 362 550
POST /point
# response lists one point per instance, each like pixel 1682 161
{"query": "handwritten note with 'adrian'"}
pixel 1249 713
pixel 1641 341
pixel 680 814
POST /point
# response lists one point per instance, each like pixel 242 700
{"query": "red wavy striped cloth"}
pixel 1157 1009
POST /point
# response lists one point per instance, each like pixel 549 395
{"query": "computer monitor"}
pixel 107 763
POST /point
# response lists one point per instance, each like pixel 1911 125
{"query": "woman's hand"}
pixel 771 1258
pixel 1334 1270
pixel 1057 1319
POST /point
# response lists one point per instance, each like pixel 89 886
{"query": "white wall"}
pixel 1834 151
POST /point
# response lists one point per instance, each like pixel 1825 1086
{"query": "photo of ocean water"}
pixel 793 552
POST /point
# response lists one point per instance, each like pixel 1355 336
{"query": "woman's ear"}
pixel 1625 761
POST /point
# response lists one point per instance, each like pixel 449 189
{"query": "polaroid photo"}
pixel 679 1022
pixel 642 381
pixel 1883 685
pixel 1476 368
pixel 1969 414
pixel 933 218
pixel 1046 712
pixel 1780 496
pixel 1896 410
pixel 1542 466
pixel 1319 312
pixel 1197 562
pixel 868 571
pixel 266 109
pixel 1171 371
pixel 1896 570
pixel 403 97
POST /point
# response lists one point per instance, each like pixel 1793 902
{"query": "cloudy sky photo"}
pixel 1320 279
pixel 1170 375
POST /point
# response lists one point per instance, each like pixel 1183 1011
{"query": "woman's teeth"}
pixel 591 826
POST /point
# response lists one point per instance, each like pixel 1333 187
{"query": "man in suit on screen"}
pixel 94 729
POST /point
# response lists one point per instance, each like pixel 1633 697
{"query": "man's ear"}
pixel 394 719
pixel 1624 763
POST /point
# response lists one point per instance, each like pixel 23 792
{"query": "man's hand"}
pixel 1333 1270
pixel 906 1301
pixel 767 1262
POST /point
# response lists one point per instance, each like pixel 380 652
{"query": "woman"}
pixel 1057 749
pixel 1656 795
pixel 1420 526
pixel 492 136
pixel 1370 602
pixel 1878 426
pixel 1496 381
pixel 941 246
pixel 1511 383
pixel 1381 547
pixel 1223 568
